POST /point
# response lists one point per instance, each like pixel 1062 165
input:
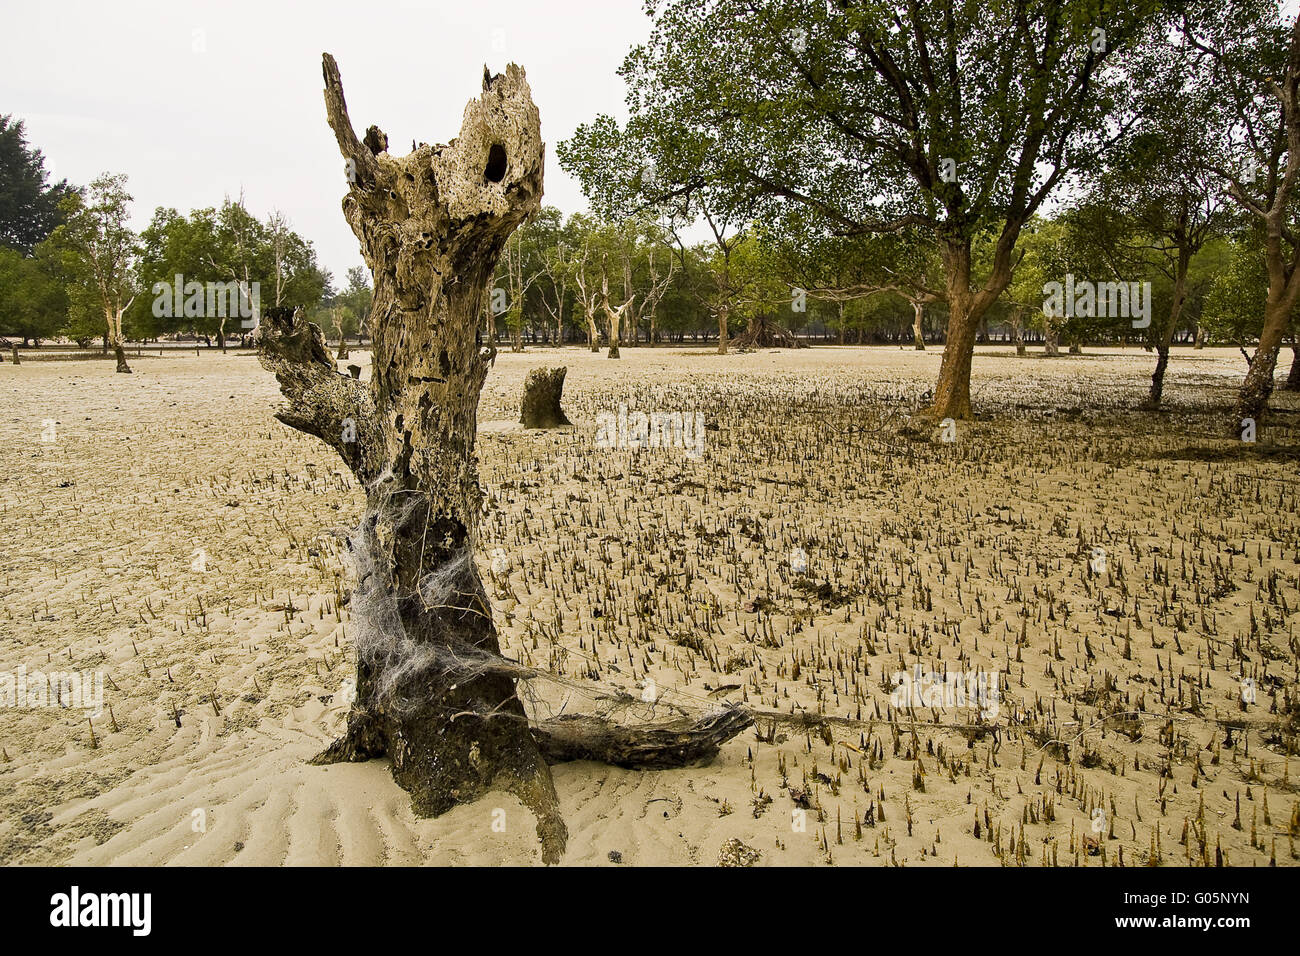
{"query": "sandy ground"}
pixel 170 534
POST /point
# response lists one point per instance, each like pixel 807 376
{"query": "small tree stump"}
pixel 541 405
pixel 16 362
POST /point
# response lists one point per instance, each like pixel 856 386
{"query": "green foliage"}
pixel 1234 306
pixel 29 202
pixel 33 299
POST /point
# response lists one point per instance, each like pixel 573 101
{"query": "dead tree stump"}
pixel 543 389
pixel 432 690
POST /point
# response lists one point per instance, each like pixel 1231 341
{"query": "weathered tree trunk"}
pixel 1293 377
pixel 723 311
pixel 615 319
pixel 343 347
pixel 433 692
pixel 543 389
pixel 1252 400
pixel 15 352
pixel 1200 338
pixel 918 336
pixel 613 316
pixel 1018 332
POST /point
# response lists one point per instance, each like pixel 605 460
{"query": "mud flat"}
pixel 1128 581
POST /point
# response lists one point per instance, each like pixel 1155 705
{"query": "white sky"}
pixel 130 86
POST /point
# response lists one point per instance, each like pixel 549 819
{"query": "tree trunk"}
pixel 1252 400
pixel 1018 333
pixel 1158 376
pixel 559 320
pixel 117 341
pixel 918 337
pixel 1293 378
pixel 1167 333
pixel 723 311
pixel 952 393
pixel 433 692
pixel 615 320
pixel 613 316
pixel 15 353
pixel 543 389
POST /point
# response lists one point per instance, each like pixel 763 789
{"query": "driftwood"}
pixel 543 389
pixel 659 746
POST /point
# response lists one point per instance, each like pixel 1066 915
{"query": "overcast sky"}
pixel 195 101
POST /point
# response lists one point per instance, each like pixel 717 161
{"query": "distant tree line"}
pixel 72 267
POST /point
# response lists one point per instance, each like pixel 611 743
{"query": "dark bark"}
pixel 120 354
pixel 543 389
pixel 651 747
pixel 1158 377
pixel 1293 377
